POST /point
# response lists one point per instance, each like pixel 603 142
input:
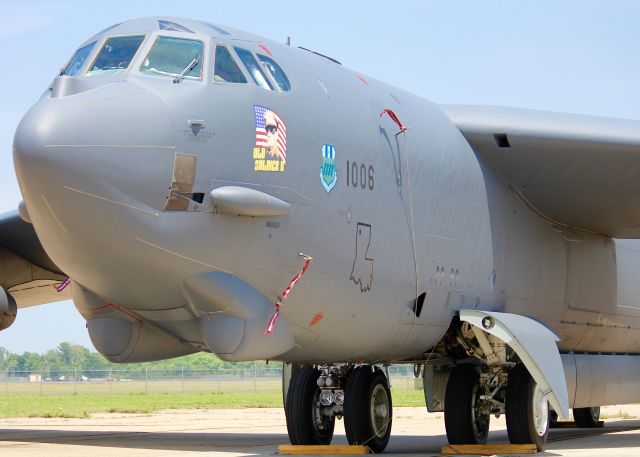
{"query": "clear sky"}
pixel 575 56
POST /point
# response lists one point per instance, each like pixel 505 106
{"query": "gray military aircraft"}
pixel 206 189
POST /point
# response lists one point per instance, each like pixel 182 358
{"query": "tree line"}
pixel 69 357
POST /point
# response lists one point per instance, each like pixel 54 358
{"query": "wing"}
pixel 26 272
pixel 577 171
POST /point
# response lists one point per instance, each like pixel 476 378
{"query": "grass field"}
pixel 140 386
pixel 162 385
pixel 84 404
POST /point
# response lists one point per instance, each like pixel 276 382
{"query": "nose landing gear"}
pixel 316 397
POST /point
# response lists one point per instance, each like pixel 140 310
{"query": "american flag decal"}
pixel 265 117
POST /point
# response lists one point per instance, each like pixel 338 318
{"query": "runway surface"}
pixel 247 432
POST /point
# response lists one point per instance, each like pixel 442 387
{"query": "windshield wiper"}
pixel 187 69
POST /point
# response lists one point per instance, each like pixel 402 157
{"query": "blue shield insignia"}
pixel 328 174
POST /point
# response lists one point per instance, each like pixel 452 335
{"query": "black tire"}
pixel 464 423
pixel 305 424
pixel 527 417
pixel 291 370
pixel 587 417
pixel 368 409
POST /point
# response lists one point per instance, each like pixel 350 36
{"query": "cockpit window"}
pixel 173 26
pixel 226 69
pixel 116 55
pixel 78 59
pixel 172 56
pixel 254 69
pixel 277 73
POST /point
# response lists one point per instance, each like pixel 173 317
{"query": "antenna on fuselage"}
pixel 288 41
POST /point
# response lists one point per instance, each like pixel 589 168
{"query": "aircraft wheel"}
pixel 367 408
pixel 306 423
pixel 587 417
pixel 527 409
pixel 463 419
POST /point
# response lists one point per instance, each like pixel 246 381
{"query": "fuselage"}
pixel 116 172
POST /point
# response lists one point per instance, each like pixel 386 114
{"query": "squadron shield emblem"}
pixel 328 173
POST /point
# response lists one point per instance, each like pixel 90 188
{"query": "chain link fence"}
pixel 256 378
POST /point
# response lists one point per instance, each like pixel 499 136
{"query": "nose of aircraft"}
pixel 118 137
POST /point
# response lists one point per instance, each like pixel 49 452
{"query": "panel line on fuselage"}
pixel 126 205
pixel 182 256
pixel 44 199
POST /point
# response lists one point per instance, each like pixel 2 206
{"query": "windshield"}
pixel 78 59
pixel 171 56
pixel 254 69
pixel 278 74
pixel 116 55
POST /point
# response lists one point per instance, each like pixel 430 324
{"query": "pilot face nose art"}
pixel 270 151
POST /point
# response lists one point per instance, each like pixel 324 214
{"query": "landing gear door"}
pixel 535 345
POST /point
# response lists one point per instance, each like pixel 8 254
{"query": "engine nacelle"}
pixel 8 309
pixel 121 339
pixel 233 316
pixel 122 336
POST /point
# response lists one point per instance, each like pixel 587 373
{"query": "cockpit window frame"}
pixel 104 40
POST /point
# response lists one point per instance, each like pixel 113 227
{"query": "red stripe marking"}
pixel 117 308
pixel 262 46
pixel 317 318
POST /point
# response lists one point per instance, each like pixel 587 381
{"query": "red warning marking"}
pixel 393 117
pixel 271 326
pixel 317 318
pixel 60 286
pixel 266 49
pixel 361 78
pixel 272 322
pixel 100 309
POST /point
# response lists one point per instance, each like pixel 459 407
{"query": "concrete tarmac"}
pixel 248 432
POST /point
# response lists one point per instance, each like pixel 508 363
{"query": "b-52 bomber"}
pixel 200 188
